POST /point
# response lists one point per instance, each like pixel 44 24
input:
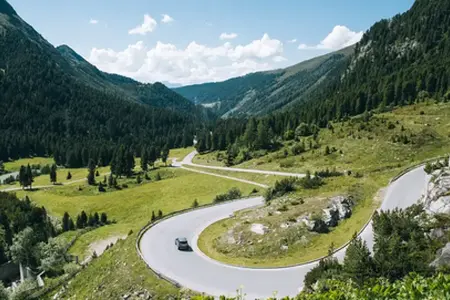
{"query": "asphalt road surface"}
pixel 196 271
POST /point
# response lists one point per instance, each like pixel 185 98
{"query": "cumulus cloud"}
pixel 228 36
pixel 93 21
pixel 292 41
pixel 148 26
pixel 340 37
pixel 195 63
pixel 167 19
pixel 279 58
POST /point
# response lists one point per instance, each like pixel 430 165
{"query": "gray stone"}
pixel 443 258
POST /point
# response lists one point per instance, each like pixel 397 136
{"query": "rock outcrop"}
pixel 340 208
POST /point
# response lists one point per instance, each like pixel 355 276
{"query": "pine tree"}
pixel 29 177
pixel 251 133
pixel 22 176
pixel 152 156
pixel 66 222
pixel 160 214
pixel 110 180
pixel 262 137
pixel 71 224
pixel 358 264
pixel 96 218
pixel 84 219
pixel 104 218
pixel 97 173
pixel 79 222
pixel 165 154
pixel 91 172
pixel 69 176
pixel 101 188
pixel 144 160
pixel 153 216
pixel 138 179
pixel 129 163
pixel 53 175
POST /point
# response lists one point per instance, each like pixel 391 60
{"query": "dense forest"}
pixel 47 108
pixel 15 217
pixel 397 62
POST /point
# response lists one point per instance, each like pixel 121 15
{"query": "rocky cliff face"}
pixel 437 196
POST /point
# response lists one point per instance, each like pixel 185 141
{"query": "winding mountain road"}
pixel 196 271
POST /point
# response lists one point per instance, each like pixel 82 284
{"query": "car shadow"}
pixel 189 249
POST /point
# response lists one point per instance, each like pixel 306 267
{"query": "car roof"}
pixel 182 239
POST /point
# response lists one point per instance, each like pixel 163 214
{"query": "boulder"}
pixel 443 258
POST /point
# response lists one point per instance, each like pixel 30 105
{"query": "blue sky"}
pixel 159 51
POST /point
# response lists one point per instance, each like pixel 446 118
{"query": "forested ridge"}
pixel 46 107
pixel 265 92
pixel 398 62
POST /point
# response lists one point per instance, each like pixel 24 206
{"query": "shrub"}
pixel 157 177
pixel 287 163
pixel 130 232
pixel 283 208
pixel 328 173
pixel 233 193
pixel 254 191
pixel 298 149
pixel 124 186
pixel 195 203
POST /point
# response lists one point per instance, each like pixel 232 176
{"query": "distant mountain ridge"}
pixel 264 92
pixel 53 102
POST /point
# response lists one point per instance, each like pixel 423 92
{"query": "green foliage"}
pixel 52 256
pixel 195 203
pixel 358 264
pixel 232 194
pixel 22 248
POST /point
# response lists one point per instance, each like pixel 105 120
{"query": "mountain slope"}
pixel 398 61
pixel 46 106
pixel 264 92
pixel 156 94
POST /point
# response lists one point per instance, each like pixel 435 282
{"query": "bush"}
pixel 157 177
pixel 195 204
pixel 254 191
pixel 45 170
pixel 124 186
pixel 71 268
pixel 282 187
pixel 232 194
pixel 287 163
pixel 298 149
pixel 328 173
pixel 309 182
pixel 283 208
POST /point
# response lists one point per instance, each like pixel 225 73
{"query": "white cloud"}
pixel 148 26
pixel 228 36
pixel 93 21
pixel 195 63
pixel 279 58
pixel 292 41
pixel 167 19
pixel 340 37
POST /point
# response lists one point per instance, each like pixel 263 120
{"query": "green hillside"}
pixel 264 92
pixel 53 103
